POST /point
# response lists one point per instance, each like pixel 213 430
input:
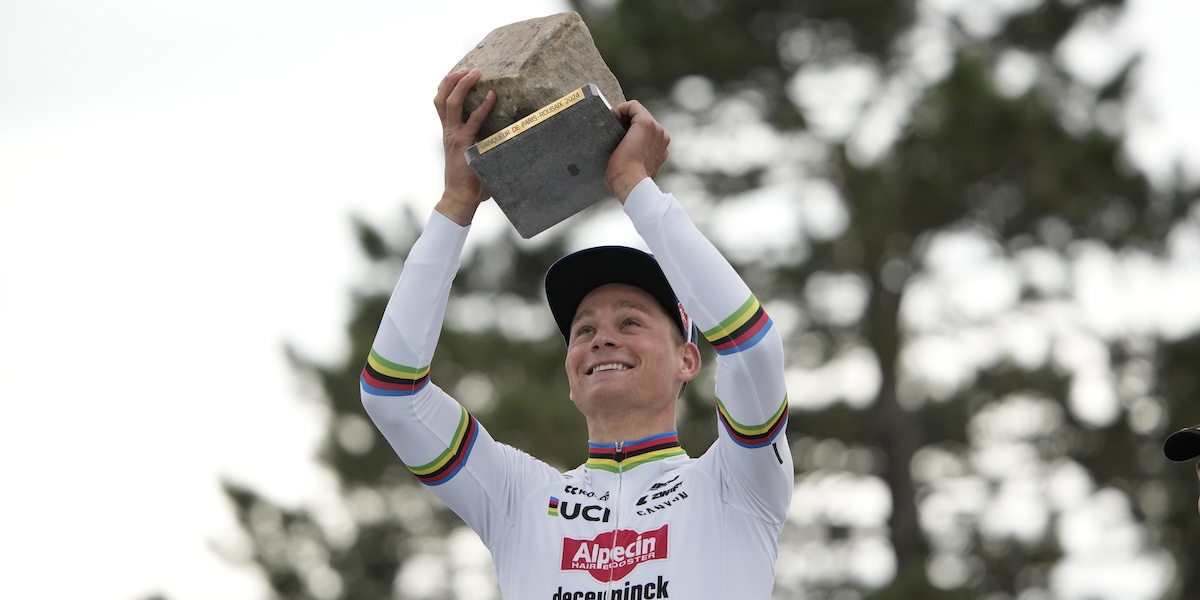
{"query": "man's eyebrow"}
pixel 581 314
pixel 587 312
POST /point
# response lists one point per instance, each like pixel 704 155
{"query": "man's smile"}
pixel 609 366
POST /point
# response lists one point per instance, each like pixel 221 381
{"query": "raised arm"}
pixel 752 399
pixel 432 434
pixel 399 360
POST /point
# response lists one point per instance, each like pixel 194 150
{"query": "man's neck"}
pixel 630 426
pixel 629 433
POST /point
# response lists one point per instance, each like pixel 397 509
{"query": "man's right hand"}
pixel 464 192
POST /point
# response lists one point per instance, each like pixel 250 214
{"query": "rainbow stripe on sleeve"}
pixel 382 377
pixel 742 330
pixel 753 436
pixel 449 463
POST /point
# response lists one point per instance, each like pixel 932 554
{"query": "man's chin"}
pixel 609 400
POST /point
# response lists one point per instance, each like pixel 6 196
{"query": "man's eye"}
pixel 631 322
pixel 583 330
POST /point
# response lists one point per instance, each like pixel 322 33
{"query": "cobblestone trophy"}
pixel 543 149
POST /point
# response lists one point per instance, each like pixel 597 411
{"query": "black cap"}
pixel 574 276
pixel 1183 444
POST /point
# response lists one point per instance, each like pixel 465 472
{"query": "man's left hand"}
pixel 640 154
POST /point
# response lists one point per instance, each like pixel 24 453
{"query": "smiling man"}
pixel 1184 445
pixel 640 519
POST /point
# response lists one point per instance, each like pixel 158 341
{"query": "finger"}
pixel 621 112
pixel 629 111
pixel 458 95
pixel 444 89
pixel 475 121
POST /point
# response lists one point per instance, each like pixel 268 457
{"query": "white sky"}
pixel 176 181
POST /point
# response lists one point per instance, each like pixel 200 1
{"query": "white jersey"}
pixel 640 519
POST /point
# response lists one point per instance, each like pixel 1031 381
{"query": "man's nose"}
pixel 603 337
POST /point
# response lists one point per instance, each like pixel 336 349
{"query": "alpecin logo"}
pixel 612 555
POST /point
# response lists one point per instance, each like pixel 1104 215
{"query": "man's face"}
pixel 625 354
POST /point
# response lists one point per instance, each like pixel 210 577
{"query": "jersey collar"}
pixel 623 456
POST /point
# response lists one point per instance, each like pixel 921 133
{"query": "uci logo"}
pixel 575 510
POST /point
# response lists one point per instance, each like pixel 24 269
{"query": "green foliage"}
pixel 1029 174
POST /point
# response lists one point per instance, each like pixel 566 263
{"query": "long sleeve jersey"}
pixel 640 519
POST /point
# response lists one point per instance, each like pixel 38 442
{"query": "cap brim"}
pixel 574 276
pixel 1183 444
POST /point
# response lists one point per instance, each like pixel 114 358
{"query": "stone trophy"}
pixel 543 149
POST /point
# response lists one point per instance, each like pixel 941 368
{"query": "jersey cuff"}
pixel 442 232
pixel 643 199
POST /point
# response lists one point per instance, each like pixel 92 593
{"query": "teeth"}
pixel 610 367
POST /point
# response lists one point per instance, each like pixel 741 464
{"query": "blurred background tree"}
pixel 986 308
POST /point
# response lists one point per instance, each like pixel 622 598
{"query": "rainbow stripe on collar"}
pixel 605 456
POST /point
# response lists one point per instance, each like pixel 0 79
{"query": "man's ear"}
pixel 690 364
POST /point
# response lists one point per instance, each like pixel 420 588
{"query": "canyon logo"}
pixel 612 555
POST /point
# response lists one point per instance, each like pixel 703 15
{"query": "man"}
pixel 640 519
pixel 1184 445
